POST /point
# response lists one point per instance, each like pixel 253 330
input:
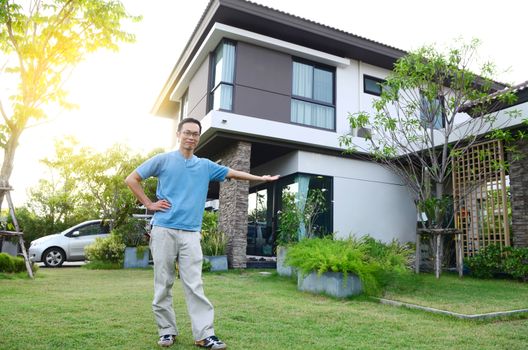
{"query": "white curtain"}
pixel 323 86
pixel 307 113
pixel 302 80
pixel 228 71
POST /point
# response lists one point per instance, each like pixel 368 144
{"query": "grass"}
pixel 76 308
pixel 462 295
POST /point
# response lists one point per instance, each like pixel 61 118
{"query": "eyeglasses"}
pixel 188 133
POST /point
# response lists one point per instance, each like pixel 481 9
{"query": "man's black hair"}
pixel 189 120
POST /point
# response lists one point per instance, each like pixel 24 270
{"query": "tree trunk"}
pixel 9 157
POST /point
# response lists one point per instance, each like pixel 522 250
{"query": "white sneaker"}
pixel 166 340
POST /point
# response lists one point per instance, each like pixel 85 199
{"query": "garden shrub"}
pixel 486 263
pixel 213 241
pixel 108 250
pixel 13 264
pixel 374 262
pixel 6 263
pixel 491 260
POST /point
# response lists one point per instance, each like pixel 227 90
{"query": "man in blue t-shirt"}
pixel 183 181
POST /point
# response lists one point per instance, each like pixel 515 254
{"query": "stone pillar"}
pixel 234 204
pixel 519 197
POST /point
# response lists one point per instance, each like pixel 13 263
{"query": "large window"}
pixel 313 100
pixel 184 106
pixel 266 201
pixel 223 76
pixel 260 238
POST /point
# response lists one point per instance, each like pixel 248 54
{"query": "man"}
pixel 183 181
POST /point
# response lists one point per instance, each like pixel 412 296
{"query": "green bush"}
pixel 214 242
pixel 132 232
pixel 12 264
pixel 491 260
pixel 486 263
pixel 6 263
pixel 374 262
pixel 108 250
pixel 515 262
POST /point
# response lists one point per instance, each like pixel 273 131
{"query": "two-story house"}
pixel 273 92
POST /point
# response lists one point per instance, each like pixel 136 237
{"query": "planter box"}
pixel 283 270
pixel 9 247
pixel 218 263
pixel 330 283
pixel 131 258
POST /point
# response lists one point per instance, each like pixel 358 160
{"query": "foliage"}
pixel 206 265
pixel 492 260
pixel 96 178
pixel 291 217
pixel 42 41
pixel 374 262
pixel 214 242
pixel 486 263
pixel 131 232
pixel 289 220
pixel 107 250
pixel 13 264
pixel 417 127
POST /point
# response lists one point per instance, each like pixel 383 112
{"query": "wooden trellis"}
pixel 480 197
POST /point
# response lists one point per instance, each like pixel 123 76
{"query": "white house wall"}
pixel 368 199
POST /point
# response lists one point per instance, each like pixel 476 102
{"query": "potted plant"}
pixel 292 220
pixel 214 242
pixel 342 268
pixel 133 234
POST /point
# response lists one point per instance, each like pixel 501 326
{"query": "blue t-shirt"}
pixel 184 183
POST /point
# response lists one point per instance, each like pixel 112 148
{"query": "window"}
pixel 372 85
pixel 313 95
pixel 184 105
pixel 259 238
pixel 223 76
pixel 432 112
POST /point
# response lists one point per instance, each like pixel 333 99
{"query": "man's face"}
pixel 189 135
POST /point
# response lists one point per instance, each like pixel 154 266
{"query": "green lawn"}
pixel 461 295
pixel 76 308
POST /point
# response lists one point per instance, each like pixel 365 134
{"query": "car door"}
pixel 87 235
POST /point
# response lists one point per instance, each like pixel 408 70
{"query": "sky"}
pixel 116 91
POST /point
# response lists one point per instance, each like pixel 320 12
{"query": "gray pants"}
pixel 168 246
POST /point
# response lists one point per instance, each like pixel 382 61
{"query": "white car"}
pixel 54 250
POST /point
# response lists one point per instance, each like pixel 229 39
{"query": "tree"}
pixel 82 184
pixel 95 180
pixel 418 128
pixel 42 42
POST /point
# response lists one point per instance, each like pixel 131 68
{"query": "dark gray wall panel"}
pixel 263 69
pixel 198 91
pixel 262 104
pixel 263 83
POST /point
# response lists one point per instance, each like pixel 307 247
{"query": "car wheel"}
pixel 53 257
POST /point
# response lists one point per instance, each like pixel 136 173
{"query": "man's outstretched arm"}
pixel 242 175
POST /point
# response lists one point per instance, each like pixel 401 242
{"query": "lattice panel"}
pixel 480 197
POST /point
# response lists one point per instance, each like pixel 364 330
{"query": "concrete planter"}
pixel 330 283
pixel 218 262
pixel 10 248
pixel 283 270
pixel 132 260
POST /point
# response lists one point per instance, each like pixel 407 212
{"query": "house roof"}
pixel 520 90
pixel 280 25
